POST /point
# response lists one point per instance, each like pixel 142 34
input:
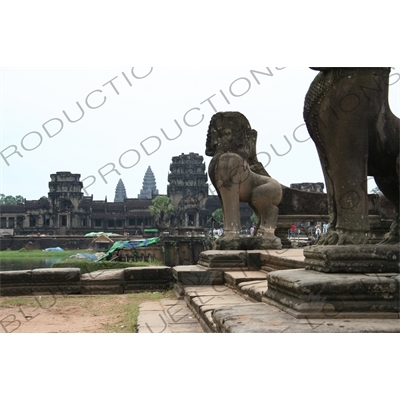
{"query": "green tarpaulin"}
pixel 130 244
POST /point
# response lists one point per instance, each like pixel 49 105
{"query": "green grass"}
pixel 7 254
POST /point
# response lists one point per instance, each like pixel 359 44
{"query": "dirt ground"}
pixel 68 314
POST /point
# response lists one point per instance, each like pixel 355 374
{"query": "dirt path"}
pixel 45 314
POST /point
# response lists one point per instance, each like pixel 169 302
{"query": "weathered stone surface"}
pixel 347 114
pixel 103 282
pixel 253 259
pixel 15 277
pixel 104 276
pixel 314 294
pixel 56 275
pixel 263 318
pixel 353 258
pixel 196 275
pixel 15 290
pixel 223 259
pixel 273 260
pixel 254 290
pixel 147 273
pixel 167 316
pixel 16 283
pixel 248 243
pixel 147 278
pixel 234 278
pixel 216 290
pixel 238 176
pixel 102 289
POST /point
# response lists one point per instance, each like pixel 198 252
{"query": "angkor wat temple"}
pixel 66 211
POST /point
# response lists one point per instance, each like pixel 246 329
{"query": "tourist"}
pixel 318 231
pixel 252 231
pixel 325 227
pixel 293 230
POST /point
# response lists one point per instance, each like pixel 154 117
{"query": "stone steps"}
pixel 238 306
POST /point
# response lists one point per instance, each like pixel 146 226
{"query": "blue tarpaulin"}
pixel 54 249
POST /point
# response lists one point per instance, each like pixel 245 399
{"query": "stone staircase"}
pixel 227 296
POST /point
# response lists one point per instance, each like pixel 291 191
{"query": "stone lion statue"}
pixel 238 177
pixel 348 116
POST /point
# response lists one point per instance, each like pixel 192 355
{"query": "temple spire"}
pixel 120 192
pixel 149 189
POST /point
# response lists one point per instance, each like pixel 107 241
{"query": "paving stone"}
pixel 113 275
pixel 223 259
pixel 275 260
pixel 207 290
pixel 263 318
pixel 59 275
pixel 255 290
pixel 186 328
pixel 234 278
pixel 209 302
pixel 151 306
pixel 167 316
pixel 197 275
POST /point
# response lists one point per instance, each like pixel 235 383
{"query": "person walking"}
pixel 293 230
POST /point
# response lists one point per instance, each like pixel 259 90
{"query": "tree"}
pixel 11 199
pixel 254 219
pixel 218 215
pixel 161 208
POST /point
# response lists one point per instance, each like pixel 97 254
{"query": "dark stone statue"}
pixel 348 116
pixel 238 177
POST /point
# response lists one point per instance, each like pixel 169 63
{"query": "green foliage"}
pixel 161 207
pixel 11 199
pixel 218 215
pixel 254 218
pixel 23 253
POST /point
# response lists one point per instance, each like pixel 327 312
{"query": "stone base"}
pixel 248 243
pixel 103 282
pixel 353 258
pixel 310 294
pixel 231 260
pixel 138 279
pixel 194 275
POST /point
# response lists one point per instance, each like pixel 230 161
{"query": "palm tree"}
pixel 218 216
pixel 161 208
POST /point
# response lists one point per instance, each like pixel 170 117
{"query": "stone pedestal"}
pixel 353 258
pixel 235 242
pixel 340 282
pixel 229 260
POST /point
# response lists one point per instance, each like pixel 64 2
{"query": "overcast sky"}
pixel 134 118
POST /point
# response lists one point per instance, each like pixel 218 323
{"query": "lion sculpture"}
pixel 348 116
pixel 238 177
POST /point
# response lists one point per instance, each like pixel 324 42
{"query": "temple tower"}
pixel 149 189
pixel 120 192
pixel 188 188
pixel 65 195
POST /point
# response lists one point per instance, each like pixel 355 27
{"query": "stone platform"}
pixel 238 304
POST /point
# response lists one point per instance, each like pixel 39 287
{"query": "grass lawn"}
pixel 10 254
